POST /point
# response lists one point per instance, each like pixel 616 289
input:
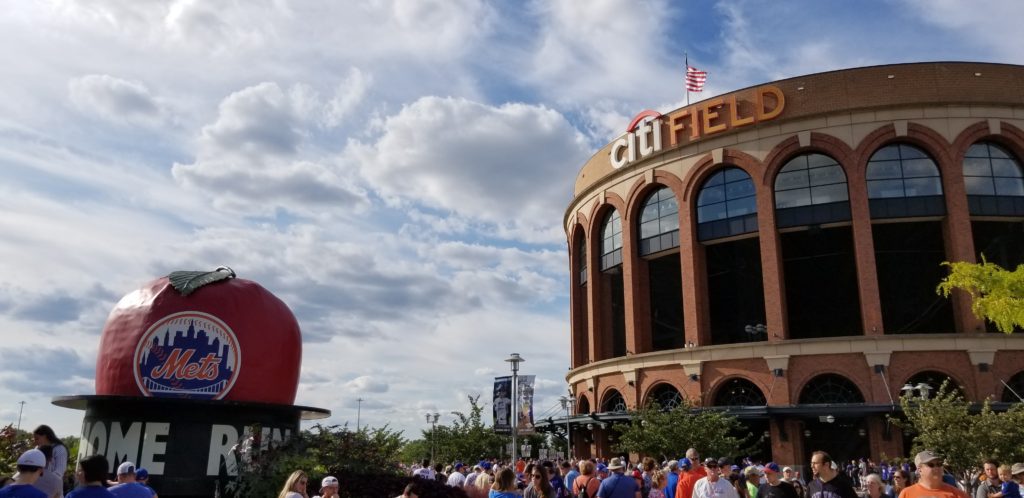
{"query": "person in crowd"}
pixel 540 484
pixel 752 476
pixel 671 478
pixel 875 487
pixel 569 474
pixel 647 468
pixel 618 484
pixel 504 485
pixel 713 485
pixel 1009 487
pixel 49 483
pixel 91 474
pixel 484 481
pixel 587 479
pixel 658 480
pixel 329 487
pixel 929 484
pixel 556 481
pixel 440 475
pixel 830 482
pixel 45 435
pixel 411 491
pixel 425 471
pixel 127 486
pixel 457 479
pixel 602 471
pixel 692 472
pixel 471 478
pixel 142 477
pixel 295 486
pixel 900 480
pixel 775 486
pixel 31 466
pixel 991 483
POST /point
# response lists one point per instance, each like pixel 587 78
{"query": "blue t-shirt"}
pixel 1010 489
pixel 25 491
pixel 493 493
pixel 131 490
pixel 89 492
pixel 618 486
pixel 671 482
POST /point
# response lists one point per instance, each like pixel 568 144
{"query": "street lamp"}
pixel 755 330
pixel 359 411
pixel 924 390
pixel 432 420
pixel 567 404
pixel 515 360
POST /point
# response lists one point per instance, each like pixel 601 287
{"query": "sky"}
pixel 395 171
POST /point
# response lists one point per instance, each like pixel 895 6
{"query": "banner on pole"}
pixel 525 422
pixel 503 405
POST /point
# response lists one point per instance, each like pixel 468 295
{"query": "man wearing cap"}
pixel 693 472
pixel 49 482
pixel 712 485
pixel 830 482
pixel 775 487
pixel 929 468
pixel 457 478
pixel 127 486
pixel 142 477
pixel 618 485
pixel 30 469
pixel 328 487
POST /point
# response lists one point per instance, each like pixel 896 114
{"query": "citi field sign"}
pixel 646 132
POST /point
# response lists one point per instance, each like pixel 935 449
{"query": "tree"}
pixel 655 431
pixel 997 294
pixel 466 439
pixel 961 432
pixel 12 444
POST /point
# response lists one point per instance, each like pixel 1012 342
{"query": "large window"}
pixel 739 392
pixel 611 241
pixel 613 402
pixel 830 389
pixel 726 205
pixel 659 222
pixel 903 181
pixel 666 396
pixel 995 185
pixel 811 189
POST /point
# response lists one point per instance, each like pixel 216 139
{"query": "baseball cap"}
pixel 32 458
pixel 602 467
pixel 736 467
pixel 485 465
pixel 925 457
pixel 141 473
pixel 787 469
pixel 328 481
pixel 126 468
pixel 723 462
pixel 685 462
pixel 459 465
pixel 710 462
pixel 772 468
pixel 1016 469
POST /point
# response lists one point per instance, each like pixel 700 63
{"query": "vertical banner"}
pixel 503 405
pixel 525 423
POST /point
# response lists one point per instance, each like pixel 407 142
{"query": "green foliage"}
pixel 319 451
pixel 12 444
pixel 654 431
pixel 466 439
pixel 946 424
pixel 997 294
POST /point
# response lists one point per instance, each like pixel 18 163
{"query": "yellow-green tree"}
pixel 997 294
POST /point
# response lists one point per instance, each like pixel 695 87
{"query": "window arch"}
pixel 830 389
pixel 611 241
pixel 659 222
pixel 726 205
pixel 811 189
pixel 898 172
pixel 739 392
pixel 613 402
pixel 583 406
pixel 666 396
pixel 994 182
pixel 1014 389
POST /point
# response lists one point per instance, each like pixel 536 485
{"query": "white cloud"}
pixel 347 97
pixel 511 166
pixel 366 384
pixel 114 99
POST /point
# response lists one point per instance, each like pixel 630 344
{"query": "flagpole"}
pixel 686 59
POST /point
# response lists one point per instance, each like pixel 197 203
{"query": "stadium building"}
pixel 775 252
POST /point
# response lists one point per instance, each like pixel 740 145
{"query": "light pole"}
pixel 567 404
pixel 515 360
pixel 359 411
pixel 432 419
pixel 20 409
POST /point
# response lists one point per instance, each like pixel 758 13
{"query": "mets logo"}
pixel 189 354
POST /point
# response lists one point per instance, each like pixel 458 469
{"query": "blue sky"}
pixel 395 171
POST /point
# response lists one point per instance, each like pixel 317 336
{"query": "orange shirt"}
pixel 684 489
pixel 944 491
pixel 591 482
pixel 520 466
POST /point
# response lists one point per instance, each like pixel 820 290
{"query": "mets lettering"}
pixel 178 366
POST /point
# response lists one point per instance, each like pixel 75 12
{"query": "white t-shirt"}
pixel 721 488
pixel 457 479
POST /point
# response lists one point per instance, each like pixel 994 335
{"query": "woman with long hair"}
pixel 44 435
pixel 295 486
pixel 505 485
pixel 900 481
pixel 540 484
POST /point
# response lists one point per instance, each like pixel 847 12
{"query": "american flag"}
pixel 695 79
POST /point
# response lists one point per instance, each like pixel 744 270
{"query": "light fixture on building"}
pixel 807 433
pixel 830 419
pixel 756 330
pixel 862 432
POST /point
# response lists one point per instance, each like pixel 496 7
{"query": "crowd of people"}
pixel 40 474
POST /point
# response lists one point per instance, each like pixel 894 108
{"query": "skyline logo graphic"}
pixel 189 354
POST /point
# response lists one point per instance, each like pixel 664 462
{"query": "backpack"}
pixel 583 489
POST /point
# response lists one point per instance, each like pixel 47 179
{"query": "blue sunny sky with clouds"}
pixel 396 171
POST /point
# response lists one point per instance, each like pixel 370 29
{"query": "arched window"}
pixel 1013 392
pixel 899 172
pixel 583 406
pixel 659 222
pixel 810 190
pixel 739 392
pixel 666 396
pixel 613 402
pixel 830 389
pixel 726 205
pixel 611 241
pixel 994 182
